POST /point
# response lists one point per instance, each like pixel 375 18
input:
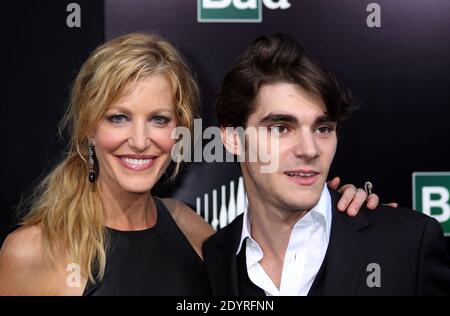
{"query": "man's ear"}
pixel 231 140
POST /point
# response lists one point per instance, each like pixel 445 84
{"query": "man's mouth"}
pixel 303 177
pixel 136 162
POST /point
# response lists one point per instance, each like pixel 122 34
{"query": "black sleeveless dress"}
pixel 155 261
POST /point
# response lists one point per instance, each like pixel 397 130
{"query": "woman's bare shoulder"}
pixel 21 260
pixel 23 246
pixel 25 269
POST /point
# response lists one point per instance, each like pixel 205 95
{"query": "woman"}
pixel 94 228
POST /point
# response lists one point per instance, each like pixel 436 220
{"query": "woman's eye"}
pixel 160 120
pixel 117 118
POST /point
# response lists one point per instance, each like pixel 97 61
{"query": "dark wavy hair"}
pixel 278 58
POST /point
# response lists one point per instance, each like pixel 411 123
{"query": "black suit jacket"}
pixel 408 246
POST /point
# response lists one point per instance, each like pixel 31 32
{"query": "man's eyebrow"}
pixel 288 118
pixel 278 117
pixel 325 118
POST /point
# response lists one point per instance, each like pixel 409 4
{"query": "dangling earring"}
pixel 91 161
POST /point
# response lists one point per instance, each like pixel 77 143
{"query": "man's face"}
pixel 306 146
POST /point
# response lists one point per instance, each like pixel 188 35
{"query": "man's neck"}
pixel 271 228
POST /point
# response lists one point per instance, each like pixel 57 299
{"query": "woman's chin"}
pixel 137 188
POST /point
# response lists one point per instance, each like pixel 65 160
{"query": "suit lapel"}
pixel 226 247
pixel 347 251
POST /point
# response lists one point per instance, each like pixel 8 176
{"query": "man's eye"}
pixel 117 118
pixel 160 120
pixel 280 129
pixel 324 130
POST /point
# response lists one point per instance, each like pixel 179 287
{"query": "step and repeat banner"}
pixel 393 55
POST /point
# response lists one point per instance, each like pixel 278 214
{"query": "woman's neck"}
pixel 126 210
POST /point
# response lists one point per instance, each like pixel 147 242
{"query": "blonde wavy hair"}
pixel 65 205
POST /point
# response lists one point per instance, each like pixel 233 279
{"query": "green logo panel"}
pixel 431 195
pixel 229 14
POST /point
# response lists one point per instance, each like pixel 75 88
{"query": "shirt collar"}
pixel 246 229
pixel 321 212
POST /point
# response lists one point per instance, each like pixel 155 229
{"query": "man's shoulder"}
pixel 226 234
pixel 385 215
pixel 400 216
pixel 401 223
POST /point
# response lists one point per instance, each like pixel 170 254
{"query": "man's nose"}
pixel 306 146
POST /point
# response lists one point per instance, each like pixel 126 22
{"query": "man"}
pixel 291 240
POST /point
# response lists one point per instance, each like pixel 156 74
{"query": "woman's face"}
pixel 133 139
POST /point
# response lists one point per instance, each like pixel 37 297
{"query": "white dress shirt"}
pixel 304 255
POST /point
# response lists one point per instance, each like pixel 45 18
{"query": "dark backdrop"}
pixel 401 73
pixel 41 58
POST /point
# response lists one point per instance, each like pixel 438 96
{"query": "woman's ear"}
pixel 90 136
pixel 231 140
